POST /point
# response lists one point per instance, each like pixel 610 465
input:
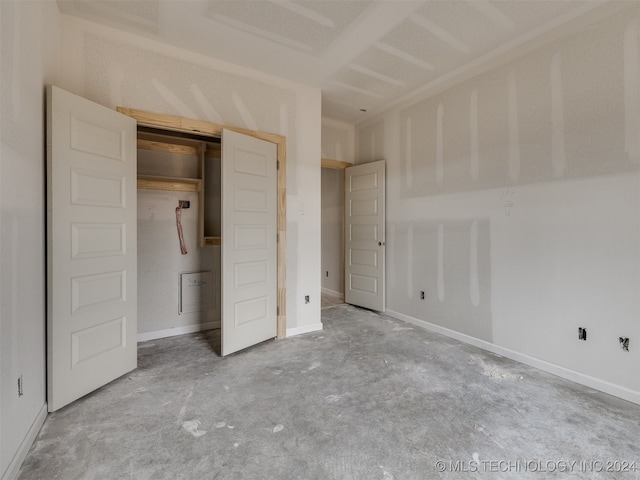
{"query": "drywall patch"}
pixel 631 91
pixel 514 132
pixel 474 161
pixel 557 116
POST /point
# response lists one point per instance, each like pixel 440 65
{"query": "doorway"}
pixel 332 239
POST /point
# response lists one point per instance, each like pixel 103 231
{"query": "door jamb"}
pixel 180 124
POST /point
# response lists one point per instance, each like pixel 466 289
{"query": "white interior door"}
pixel 249 247
pixel 365 235
pixel 91 242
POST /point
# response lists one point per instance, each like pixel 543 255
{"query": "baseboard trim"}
pixel 172 332
pixel 586 380
pixel 332 293
pixel 292 332
pixel 11 473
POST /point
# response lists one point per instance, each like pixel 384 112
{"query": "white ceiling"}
pixel 363 54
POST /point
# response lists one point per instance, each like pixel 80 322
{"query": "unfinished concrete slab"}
pixel 368 397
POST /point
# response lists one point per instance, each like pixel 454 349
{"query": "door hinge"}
pixel 278 310
pixel 277 164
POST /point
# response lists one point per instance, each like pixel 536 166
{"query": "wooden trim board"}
pixel 166 147
pixel 335 164
pixel 180 124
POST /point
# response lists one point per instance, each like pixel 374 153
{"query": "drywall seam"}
pixel 74 26
pixel 244 112
pixel 410 262
pixel 391 254
pixel 292 332
pixel 631 91
pixel 171 332
pixel 173 100
pixel 11 473
pixel 210 113
pixel 441 291
pixel 373 146
pixel 586 380
pixel 474 279
pixel 514 130
pixel 559 28
pixel 557 117
pixel 474 162
pixel 284 120
pixel 439 144
pixel 408 174
pixel 116 78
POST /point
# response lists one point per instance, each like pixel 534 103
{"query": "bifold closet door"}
pixel 249 241
pixel 91 246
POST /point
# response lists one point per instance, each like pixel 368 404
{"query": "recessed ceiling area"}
pixel 365 54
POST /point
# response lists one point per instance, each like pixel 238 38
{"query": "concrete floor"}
pixel 327 301
pixel 367 398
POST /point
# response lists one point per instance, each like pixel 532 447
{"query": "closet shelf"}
pixel 176 184
pixel 209 241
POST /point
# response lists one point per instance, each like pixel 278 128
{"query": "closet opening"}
pixel 179 234
pixel 253 168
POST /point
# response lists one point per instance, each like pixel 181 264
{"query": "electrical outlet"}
pixel 582 333
pixel 624 343
pixel 20 392
pixel 306 299
pixel 327 273
pixel 421 294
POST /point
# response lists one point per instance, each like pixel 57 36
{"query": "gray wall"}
pixel 39 46
pixel 30 41
pixel 513 201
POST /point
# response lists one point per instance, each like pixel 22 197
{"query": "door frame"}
pixel 203 128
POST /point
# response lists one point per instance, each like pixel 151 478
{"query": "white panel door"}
pixel 364 235
pixel 249 247
pixel 91 244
